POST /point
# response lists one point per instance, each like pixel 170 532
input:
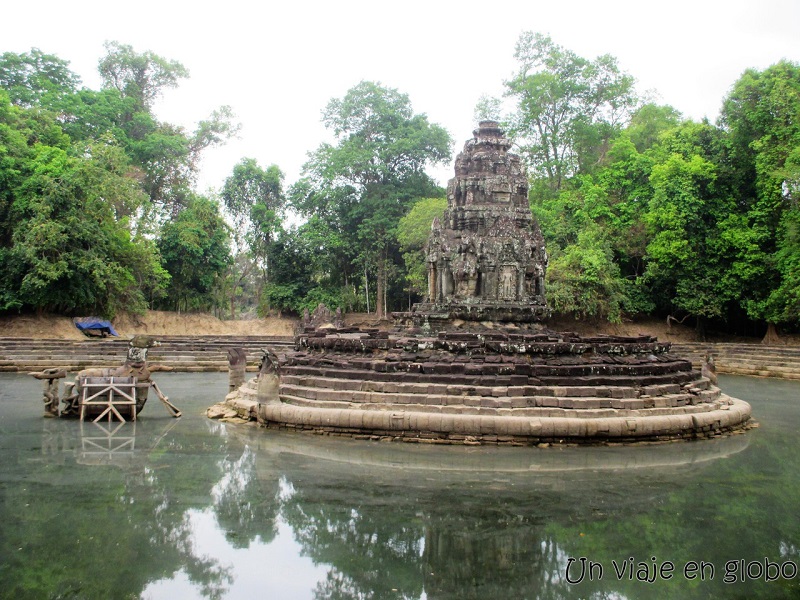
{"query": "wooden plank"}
pixel 108 392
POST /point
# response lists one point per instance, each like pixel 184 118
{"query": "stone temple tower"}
pixel 486 258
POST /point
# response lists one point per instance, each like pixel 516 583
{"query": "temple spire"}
pixel 486 258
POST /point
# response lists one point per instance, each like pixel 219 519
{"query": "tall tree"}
pixel 81 175
pixel 363 185
pixel 32 77
pixel 195 250
pixel 70 254
pixel 141 76
pixel 692 219
pixel 584 280
pixel 255 200
pixel 167 154
pixel 412 234
pixel 568 107
pixel 762 116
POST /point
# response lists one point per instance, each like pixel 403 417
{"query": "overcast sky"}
pixel 277 64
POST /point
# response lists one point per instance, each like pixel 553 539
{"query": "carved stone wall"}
pixel 486 257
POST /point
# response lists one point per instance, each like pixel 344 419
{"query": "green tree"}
pixel 762 117
pixel 692 222
pixel 35 78
pixel 301 271
pixel 141 76
pixel 412 234
pixel 568 107
pixel 363 185
pixel 584 281
pixel 13 153
pixel 70 254
pixel 649 122
pixel 255 200
pixel 87 178
pixel 605 208
pixel 195 251
pixel 167 154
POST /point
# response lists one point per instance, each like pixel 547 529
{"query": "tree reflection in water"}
pixel 90 527
pixel 246 507
pixel 423 525
pixel 383 520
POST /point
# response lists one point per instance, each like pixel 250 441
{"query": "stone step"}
pixel 77 365
pixel 753 360
pixel 787 353
pixel 210 352
pixel 203 353
pixel 766 365
pixel 750 360
pixel 121 350
pixel 494 380
pixel 508 401
pixel 750 372
pixel 607 391
pixel 542 412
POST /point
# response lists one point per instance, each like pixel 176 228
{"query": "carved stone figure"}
pixel 322 318
pixel 486 257
pixel 237 366
pixel 50 389
pixel 135 365
pixel 269 377
pixel 709 369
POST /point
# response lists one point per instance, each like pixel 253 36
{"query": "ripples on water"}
pixel 192 508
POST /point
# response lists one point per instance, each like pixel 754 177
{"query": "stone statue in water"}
pixel 135 365
pixel 269 379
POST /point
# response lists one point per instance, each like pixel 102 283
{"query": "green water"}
pixel 191 508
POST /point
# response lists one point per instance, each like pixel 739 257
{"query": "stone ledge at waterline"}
pixel 515 389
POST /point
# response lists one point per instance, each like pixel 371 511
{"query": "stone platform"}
pixel 492 387
pixel 474 383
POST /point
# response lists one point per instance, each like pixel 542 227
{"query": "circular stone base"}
pixel 428 427
pixel 493 387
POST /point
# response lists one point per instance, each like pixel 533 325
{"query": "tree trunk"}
pixel 366 287
pixel 380 308
pixel 260 289
pixel 700 329
pixel 771 337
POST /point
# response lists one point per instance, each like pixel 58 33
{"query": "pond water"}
pixel 192 508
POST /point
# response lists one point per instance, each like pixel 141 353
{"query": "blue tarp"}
pixel 95 324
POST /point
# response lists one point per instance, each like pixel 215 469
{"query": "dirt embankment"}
pixel 168 323
pixel 152 323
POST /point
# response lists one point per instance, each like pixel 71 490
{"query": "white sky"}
pixel 277 64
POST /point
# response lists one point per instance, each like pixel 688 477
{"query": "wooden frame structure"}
pixel 103 443
pixel 110 393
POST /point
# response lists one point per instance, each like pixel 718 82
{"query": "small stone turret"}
pixel 486 257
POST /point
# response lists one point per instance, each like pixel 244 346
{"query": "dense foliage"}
pixel 643 211
pixel 355 193
pixel 97 212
